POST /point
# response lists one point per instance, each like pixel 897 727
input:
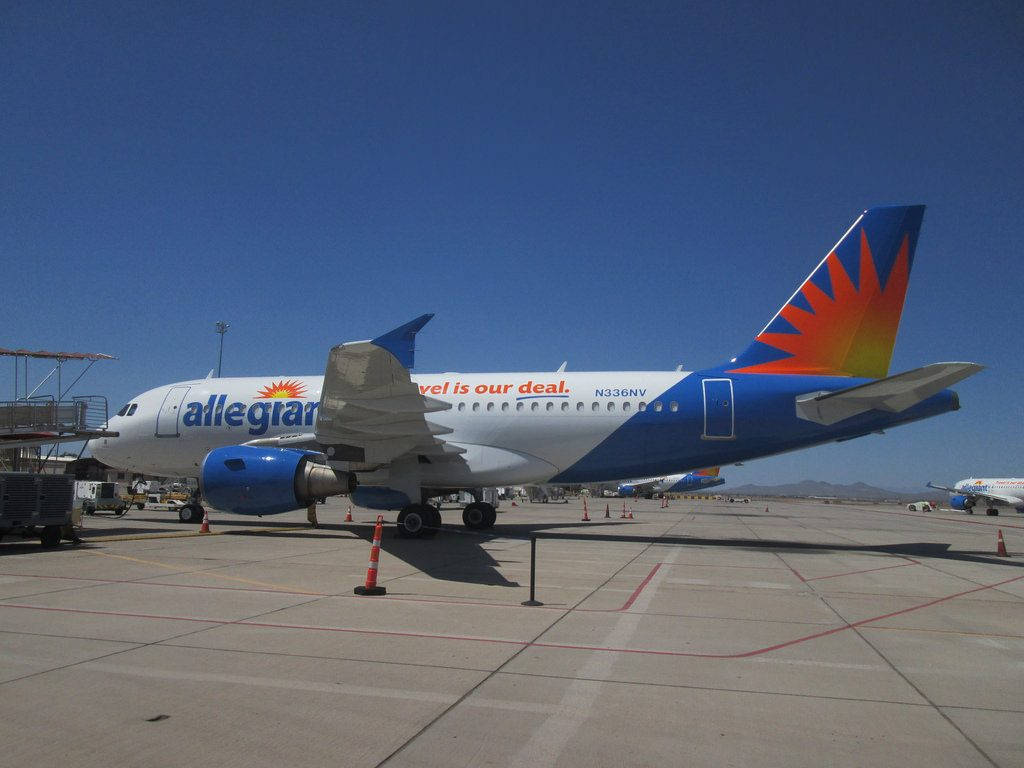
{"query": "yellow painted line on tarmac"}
pixel 191 534
pixel 252 582
pixel 944 631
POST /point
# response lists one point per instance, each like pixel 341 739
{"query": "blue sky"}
pixel 626 186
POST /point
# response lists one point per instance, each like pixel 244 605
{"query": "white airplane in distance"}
pixel 818 372
pixel 994 492
pixel 685 482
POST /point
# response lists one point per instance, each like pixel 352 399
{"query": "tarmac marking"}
pixel 272 682
pixel 268 585
pixel 509 641
pixel 944 519
pixel 189 534
pixel 866 570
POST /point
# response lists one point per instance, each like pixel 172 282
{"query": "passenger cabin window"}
pixel 595 407
pixel 462 406
pixel 565 406
pixel 550 406
pixel 504 406
pixel 490 406
pixel 657 406
pixel 476 406
pixel 519 406
pixel 534 405
pixel 642 406
pixel 580 406
pixel 626 406
pixel 611 406
pixel 673 406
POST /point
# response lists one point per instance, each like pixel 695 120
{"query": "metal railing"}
pixel 44 414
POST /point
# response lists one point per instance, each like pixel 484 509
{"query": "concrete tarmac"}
pixel 705 634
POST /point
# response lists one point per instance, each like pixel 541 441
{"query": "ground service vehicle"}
pixel 31 503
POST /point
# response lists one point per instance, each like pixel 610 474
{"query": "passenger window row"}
pixel 581 406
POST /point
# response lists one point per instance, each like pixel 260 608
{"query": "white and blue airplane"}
pixel 818 372
pixel 687 482
pixel 993 492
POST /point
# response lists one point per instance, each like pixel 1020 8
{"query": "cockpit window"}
pixel 131 410
pixel 124 410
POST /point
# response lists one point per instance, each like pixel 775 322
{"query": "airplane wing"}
pixel 370 410
pixel 893 394
pixel 998 498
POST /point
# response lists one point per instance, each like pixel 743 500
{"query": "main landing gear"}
pixel 479 515
pixel 424 520
pixel 418 521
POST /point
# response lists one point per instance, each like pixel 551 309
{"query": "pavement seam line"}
pixel 511 658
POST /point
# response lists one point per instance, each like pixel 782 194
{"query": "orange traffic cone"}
pixel 348 515
pixel 630 515
pixel 205 527
pixel 607 511
pixel 586 515
pixel 1001 545
pixel 514 504
pixel 371 588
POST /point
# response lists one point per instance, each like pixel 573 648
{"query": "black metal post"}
pixel 533 573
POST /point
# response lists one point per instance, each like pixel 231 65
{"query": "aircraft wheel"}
pixel 50 537
pixel 474 515
pixel 435 520
pixel 413 521
pixel 991 512
pixel 479 515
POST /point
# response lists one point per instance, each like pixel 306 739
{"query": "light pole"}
pixel 222 328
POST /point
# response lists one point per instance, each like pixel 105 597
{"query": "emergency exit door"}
pixel 719 422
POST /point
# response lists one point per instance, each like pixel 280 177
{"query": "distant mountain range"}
pixel 857 491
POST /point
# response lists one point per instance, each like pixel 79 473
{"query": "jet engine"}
pixel 960 501
pixel 251 480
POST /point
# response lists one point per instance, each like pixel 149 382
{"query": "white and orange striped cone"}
pixel 1001 545
pixel 348 515
pixel 630 515
pixel 586 514
pixel 371 588
pixel 205 527
pixel 607 511
pixel 623 515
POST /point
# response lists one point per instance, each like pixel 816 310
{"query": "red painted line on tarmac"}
pixel 523 643
pixel 865 570
pixel 794 571
pixel 636 592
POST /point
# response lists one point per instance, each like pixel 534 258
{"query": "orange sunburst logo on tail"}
pixel 850 333
pixel 283 389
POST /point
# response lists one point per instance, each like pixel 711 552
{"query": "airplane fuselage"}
pixel 515 428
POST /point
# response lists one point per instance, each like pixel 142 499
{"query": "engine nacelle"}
pixel 251 480
pixel 960 501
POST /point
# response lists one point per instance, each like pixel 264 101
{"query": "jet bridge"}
pixel 31 420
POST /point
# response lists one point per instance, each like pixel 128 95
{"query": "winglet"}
pixel 401 342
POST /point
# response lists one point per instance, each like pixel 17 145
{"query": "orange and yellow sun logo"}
pixel 283 389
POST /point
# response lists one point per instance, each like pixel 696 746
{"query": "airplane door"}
pixel 167 419
pixel 719 423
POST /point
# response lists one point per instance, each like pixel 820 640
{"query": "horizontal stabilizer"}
pixel 892 394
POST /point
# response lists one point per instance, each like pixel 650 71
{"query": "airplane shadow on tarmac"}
pixel 457 554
